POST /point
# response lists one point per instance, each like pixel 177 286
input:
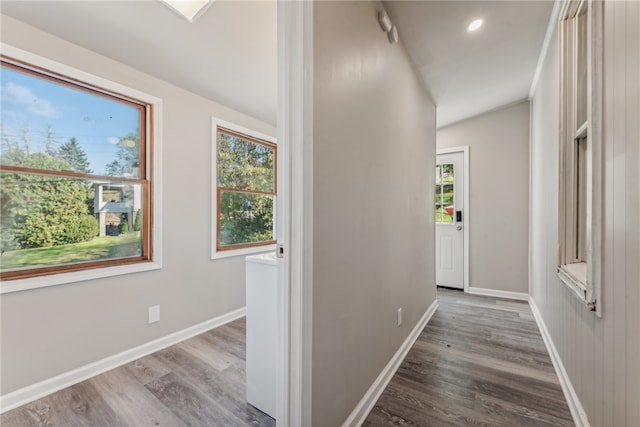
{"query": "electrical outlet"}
pixel 399 316
pixel 154 314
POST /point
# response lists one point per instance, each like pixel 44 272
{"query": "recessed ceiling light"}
pixel 189 9
pixel 474 25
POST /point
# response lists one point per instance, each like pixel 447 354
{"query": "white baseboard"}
pixel 577 411
pixel 36 391
pixel 362 409
pixel 521 296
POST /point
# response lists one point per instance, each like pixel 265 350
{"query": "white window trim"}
pixel 154 124
pixel 585 283
pixel 215 253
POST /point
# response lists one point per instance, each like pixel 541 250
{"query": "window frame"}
pixel 150 177
pixel 580 167
pixel 218 252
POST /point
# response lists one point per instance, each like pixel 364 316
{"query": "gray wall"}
pixel 373 162
pixel 600 354
pixel 52 330
pixel 499 195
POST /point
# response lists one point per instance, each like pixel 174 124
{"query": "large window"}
pixel 245 190
pixel 75 173
pixel 580 147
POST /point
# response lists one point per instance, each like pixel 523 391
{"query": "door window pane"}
pixel 444 202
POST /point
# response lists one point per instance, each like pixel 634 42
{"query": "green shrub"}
pixel 7 238
pixel 80 229
pixel 124 226
pixel 43 211
pixel 34 232
pixel 137 223
pixel 39 230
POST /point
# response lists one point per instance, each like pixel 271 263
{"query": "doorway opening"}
pixel 452 217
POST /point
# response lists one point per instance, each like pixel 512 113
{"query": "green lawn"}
pixel 443 216
pixel 96 249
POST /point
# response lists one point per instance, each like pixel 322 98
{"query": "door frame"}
pixel 294 212
pixel 466 219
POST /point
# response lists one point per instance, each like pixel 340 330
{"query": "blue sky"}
pixel 33 104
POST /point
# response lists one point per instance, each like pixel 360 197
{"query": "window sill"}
pixel 242 252
pixel 575 277
pixel 75 276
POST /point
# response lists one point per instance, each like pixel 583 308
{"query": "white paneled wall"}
pixel 601 355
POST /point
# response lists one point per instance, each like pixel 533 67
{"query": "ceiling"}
pixel 229 55
pixel 470 73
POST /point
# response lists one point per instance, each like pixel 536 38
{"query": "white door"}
pixel 450 216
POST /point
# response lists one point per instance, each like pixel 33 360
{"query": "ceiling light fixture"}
pixel 387 26
pixel 384 21
pixel 474 25
pixel 188 9
pixel 393 35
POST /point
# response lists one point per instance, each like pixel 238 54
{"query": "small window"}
pixel 580 148
pixel 75 181
pixel 245 190
pixel 445 203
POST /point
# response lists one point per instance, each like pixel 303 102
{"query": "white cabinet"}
pixel 261 281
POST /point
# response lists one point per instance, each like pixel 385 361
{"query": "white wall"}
pixel 499 195
pixel 600 355
pixel 373 162
pixel 52 330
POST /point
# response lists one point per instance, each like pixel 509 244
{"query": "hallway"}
pixel 479 361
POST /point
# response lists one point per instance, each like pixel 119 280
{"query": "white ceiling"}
pixel 470 73
pixel 229 54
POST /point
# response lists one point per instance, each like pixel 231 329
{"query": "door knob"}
pixel 459 228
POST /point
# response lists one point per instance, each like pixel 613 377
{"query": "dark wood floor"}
pixel 198 382
pixel 479 362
